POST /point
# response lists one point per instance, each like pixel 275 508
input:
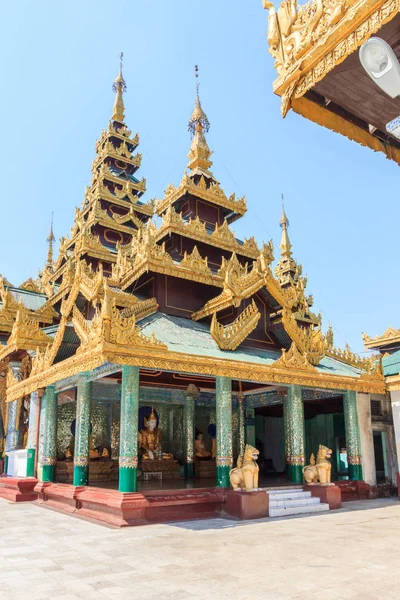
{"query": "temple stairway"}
pixel 293 501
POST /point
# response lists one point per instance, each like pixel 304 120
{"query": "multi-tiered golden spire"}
pixel 50 241
pixel 285 242
pixel 119 87
pixel 199 153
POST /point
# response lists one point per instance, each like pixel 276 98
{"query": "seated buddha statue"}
pixel 93 453
pixel 200 448
pixel 150 438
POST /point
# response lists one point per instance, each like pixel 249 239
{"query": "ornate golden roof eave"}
pixel 26 334
pixel 101 192
pixel 195 229
pixel 325 35
pixel 390 336
pixel 214 195
pixel 230 336
pixel 166 360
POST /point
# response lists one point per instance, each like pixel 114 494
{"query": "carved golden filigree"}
pixel 30 285
pixel 390 336
pixel 308 339
pixel 307 41
pixel 26 333
pixel 294 359
pixel 196 230
pixel 214 194
pixel 229 337
pixel 194 262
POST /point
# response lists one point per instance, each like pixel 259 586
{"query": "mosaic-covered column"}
pixel 242 426
pixel 352 435
pixel 191 394
pixel 48 423
pixel 82 431
pixel 32 433
pixel 294 433
pixel 128 443
pixel 12 426
pixel 224 429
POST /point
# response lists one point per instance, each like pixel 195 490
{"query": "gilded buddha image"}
pixel 149 439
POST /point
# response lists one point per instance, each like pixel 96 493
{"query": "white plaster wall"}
pixel 395 401
pixel 366 438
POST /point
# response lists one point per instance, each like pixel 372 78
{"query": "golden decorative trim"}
pixel 25 334
pixel 165 360
pixel 308 339
pixel 196 229
pixel 214 194
pixel 293 359
pixel 326 118
pixel 391 336
pixel 229 337
pixel 308 41
pixel 30 285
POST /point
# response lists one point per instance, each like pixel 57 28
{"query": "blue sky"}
pixel 58 61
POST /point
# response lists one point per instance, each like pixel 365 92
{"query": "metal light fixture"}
pixel 381 64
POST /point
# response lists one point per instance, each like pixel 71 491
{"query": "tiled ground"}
pixel 353 554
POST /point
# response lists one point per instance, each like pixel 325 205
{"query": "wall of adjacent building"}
pixel 366 438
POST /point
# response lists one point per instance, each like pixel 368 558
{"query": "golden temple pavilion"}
pixel 156 344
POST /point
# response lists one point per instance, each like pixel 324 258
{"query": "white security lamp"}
pixel 381 64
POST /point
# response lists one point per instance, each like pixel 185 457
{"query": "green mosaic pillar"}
pixel 128 443
pixel 188 425
pixel 352 435
pixel 224 429
pixel 294 433
pixel 242 426
pixel 286 434
pixel 82 431
pixel 32 434
pixel 48 418
pixel 12 432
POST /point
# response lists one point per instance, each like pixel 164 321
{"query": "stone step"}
pixel 289 495
pixel 298 510
pixel 293 502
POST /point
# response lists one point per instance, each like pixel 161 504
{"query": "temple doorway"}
pixel 324 424
pixel 269 440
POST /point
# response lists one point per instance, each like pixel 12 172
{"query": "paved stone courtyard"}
pixel 353 553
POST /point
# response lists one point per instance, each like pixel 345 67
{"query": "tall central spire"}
pixel 285 246
pixel 199 153
pixel 119 87
pixel 50 241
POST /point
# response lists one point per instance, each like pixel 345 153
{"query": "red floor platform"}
pixel 121 509
pixel 18 489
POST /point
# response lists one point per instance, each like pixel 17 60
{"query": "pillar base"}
pixel 189 470
pixel 247 505
pixel 328 494
pixel 223 476
pixel 127 479
pixel 295 473
pixel 81 475
pixel 30 462
pixel 355 472
pixel 48 473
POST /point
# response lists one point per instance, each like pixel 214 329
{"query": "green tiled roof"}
pixel 391 364
pixel 31 300
pixel 191 337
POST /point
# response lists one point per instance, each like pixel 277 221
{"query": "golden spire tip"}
pixel 198 118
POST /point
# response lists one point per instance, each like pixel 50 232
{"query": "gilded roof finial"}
pixel 50 241
pixel 285 242
pixel 119 87
pixel 198 120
